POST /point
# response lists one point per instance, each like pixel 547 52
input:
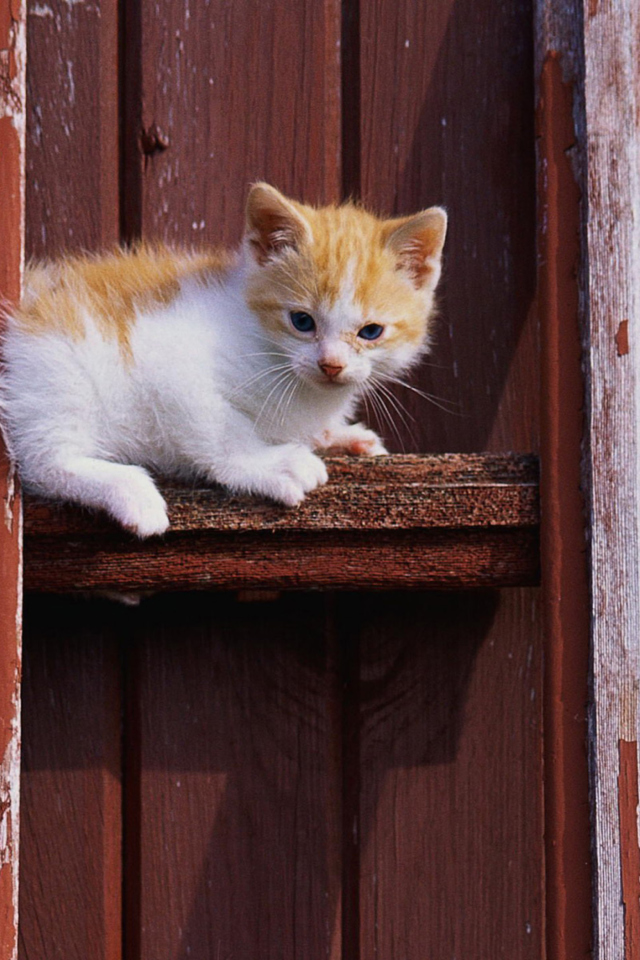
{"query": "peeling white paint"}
pixel 41 10
pixel 71 82
pixel 10 499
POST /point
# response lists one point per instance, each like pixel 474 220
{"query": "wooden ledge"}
pixel 432 521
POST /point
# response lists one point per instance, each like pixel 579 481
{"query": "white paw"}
pixel 297 473
pixel 284 473
pixel 137 504
pixel 354 439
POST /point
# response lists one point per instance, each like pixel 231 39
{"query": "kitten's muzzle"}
pixel 331 370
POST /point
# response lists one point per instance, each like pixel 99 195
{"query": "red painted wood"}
pixel 72 127
pixel 234 732
pixel 238 92
pixel 446 521
pixel 449 818
pixel 447 118
pixel 451 850
pixel 71 876
pixel 71 866
pixel 12 77
pixel 563 534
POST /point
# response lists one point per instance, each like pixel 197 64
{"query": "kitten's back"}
pixel 109 288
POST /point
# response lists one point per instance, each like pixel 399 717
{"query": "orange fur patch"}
pixel 110 288
pixel 349 249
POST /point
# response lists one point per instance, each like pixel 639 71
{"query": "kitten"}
pixel 232 367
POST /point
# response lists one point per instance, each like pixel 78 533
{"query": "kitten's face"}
pixel 346 296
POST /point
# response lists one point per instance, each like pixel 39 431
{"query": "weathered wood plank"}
pixel 447 118
pixel 451 862
pixel 233 727
pixel 12 121
pixel 448 824
pixel 386 493
pixel 612 109
pixel 446 521
pixel 229 94
pixel 72 127
pixel 71 850
pixel 561 262
pixel 421 559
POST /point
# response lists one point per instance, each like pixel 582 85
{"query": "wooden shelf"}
pixel 445 521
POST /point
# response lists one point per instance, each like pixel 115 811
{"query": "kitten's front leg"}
pixel 285 472
pixel 352 438
pixel 226 448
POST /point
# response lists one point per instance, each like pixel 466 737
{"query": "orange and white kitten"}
pixel 233 368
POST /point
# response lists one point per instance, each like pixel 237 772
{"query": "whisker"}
pixel 439 402
pixel 400 410
pixel 384 414
pixel 281 379
pixel 251 381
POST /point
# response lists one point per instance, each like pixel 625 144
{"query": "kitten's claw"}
pixel 353 439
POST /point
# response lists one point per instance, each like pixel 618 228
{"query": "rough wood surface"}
pixel 201 126
pixel 234 726
pixel 12 121
pixel 451 520
pixel 438 683
pixel 612 108
pixel 72 126
pixel 446 117
pixel 71 851
pixel 564 566
pixel 260 712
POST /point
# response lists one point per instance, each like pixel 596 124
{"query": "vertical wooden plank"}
pixel 71 872
pixel 451 836
pixel 72 126
pixel 447 117
pixel 561 259
pixel 235 742
pixel 612 111
pixel 232 93
pixel 12 120
pixel 71 877
pixel 450 812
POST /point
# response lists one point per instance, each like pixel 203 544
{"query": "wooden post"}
pixel 565 585
pixel 612 105
pixel 12 126
pixel 588 55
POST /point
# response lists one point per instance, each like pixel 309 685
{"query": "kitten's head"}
pixel 346 295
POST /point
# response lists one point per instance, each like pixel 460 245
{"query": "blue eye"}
pixel 371 332
pixel 303 322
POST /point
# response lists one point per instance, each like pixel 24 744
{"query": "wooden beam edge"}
pixel 447 522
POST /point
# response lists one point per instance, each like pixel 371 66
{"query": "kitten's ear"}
pixel 273 223
pixel 417 243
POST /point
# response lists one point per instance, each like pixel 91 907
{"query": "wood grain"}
pixel 446 117
pixel 451 863
pixel 235 735
pixel 240 92
pixel 71 873
pixel 12 151
pixel 447 521
pixel 612 289
pixel 72 126
pixel 385 493
pixel 442 873
pixel 565 575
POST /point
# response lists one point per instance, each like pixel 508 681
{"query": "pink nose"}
pixel 331 370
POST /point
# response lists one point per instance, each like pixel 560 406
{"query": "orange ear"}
pixel 273 223
pixel 417 243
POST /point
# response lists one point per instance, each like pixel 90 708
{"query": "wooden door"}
pixel 295 775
